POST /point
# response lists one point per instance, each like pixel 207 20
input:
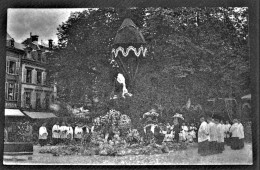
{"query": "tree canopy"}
pixel 193 53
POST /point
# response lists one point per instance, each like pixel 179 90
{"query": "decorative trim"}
pixel 126 52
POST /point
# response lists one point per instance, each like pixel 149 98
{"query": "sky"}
pixel 41 22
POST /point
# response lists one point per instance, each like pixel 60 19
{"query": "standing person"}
pixel 63 132
pixel 56 133
pixel 70 133
pixel 203 137
pixel 212 135
pixel 234 129
pixel 220 136
pixel 176 129
pixel 192 132
pixel 197 125
pixel 78 132
pixel 43 134
pixel 184 131
pixel 227 133
pixel 241 134
pixel 223 127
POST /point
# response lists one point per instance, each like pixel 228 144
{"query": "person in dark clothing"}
pixel 176 130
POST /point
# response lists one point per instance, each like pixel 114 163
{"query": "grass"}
pixel 184 157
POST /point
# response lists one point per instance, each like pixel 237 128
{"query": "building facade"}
pixel 14 53
pixel 27 87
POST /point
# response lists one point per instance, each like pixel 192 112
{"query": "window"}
pixel 29 55
pixel 11 91
pixel 28 76
pixel 11 67
pixel 43 56
pixel 39 77
pixel 27 97
pixel 34 55
pixel 39 56
pixel 38 100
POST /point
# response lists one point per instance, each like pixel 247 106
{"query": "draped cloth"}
pixel 43 133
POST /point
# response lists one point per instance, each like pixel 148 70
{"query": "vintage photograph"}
pixel 128 86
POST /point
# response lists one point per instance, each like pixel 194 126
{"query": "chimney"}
pixel 34 38
pixel 50 43
pixel 12 42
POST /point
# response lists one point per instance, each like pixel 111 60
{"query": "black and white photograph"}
pixel 128 86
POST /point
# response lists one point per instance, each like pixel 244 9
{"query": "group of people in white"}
pixel 61 133
pixel 183 133
pixel 214 134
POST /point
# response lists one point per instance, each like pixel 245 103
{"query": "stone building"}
pixel 14 53
pixel 27 87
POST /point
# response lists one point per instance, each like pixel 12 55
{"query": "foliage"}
pixel 196 53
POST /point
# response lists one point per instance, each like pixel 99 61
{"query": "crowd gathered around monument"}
pixel 211 134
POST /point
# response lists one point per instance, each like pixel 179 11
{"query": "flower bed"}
pixel 108 149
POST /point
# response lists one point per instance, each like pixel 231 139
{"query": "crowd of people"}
pixel 65 133
pixel 213 134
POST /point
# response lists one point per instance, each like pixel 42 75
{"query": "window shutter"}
pixel 17 67
pixel 16 91
pixel 7 66
pixel 44 78
pixel 24 99
pixel 6 90
pixel 24 75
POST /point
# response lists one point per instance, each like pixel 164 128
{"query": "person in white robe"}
pixel 212 135
pixel 56 133
pixel 78 132
pixel 70 132
pixel 63 132
pixel 184 132
pixel 223 128
pixel 220 136
pixel 227 133
pixel 234 129
pixel 192 132
pixel 43 134
pixel 203 138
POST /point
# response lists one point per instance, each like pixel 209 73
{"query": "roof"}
pixel 128 32
pixel 13 112
pixel 39 115
pixel 8 37
pixel 19 46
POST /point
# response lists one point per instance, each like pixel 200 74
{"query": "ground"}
pixel 185 157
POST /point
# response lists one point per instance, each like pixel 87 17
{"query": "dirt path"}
pixel 185 157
